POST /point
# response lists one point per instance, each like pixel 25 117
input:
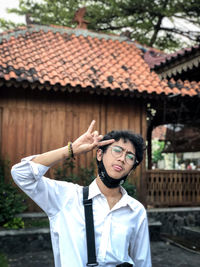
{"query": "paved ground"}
pixel 166 255
pixel 163 255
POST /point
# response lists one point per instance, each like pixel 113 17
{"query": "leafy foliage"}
pixel 11 202
pixel 66 173
pixel 14 223
pixel 131 189
pixel 143 19
pixel 3 260
pixel 8 24
pixel 157 149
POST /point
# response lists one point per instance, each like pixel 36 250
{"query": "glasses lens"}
pixel 116 151
pixel 130 158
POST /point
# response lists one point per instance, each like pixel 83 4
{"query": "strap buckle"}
pixel 87 202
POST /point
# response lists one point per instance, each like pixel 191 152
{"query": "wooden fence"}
pixel 172 188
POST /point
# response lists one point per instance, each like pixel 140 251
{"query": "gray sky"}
pixel 4 4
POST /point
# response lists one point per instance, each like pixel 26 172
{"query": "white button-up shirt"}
pixel 121 233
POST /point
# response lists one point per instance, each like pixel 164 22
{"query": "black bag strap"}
pixel 89 224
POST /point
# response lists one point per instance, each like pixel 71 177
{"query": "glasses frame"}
pixel 135 161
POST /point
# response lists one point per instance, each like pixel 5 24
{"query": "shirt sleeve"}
pixel 140 244
pixel 48 194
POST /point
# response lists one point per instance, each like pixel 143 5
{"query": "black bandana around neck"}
pixel 106 179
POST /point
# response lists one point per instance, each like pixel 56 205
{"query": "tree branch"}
pixel 157 29
pixel 183 33
pixel 183 17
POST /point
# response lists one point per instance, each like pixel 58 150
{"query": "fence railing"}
pixel 172 188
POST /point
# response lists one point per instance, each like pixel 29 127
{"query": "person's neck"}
pixel 108 192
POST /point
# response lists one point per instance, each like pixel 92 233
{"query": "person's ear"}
pixel 99 154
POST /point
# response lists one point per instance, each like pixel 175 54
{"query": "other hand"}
pixel 89 140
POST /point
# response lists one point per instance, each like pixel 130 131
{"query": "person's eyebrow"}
pixel 124 149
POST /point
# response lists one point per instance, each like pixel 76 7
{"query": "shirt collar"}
pixel 93 190
pixel 124 201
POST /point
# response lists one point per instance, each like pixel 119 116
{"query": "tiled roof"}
pixel 158 60
pixel 73 59
pixel 185 87
pixel 153 58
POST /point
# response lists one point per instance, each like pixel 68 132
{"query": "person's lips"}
pixel 117 167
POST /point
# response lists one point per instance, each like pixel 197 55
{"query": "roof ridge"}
pixel 181 53
pixel 62 30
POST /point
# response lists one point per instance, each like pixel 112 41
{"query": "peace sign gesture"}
pixel 89 140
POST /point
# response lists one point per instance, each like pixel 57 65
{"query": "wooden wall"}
pixel 33 121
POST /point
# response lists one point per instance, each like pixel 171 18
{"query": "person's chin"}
pixel 116 175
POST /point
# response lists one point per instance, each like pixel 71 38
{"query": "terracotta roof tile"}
pixel 185 88
pixel 64 56
pixel 158 59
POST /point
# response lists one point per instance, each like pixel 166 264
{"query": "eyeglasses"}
pixel 117 152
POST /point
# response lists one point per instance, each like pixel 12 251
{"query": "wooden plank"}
pixel 56 133
pixel 111 116
pixel 20 132
pixel 37 132
pixel 29 133
pixel 10 135
pixel 103 115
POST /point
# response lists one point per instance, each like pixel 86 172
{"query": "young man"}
pixel 120 222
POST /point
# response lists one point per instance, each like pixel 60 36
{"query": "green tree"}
pixel 8 24
pixel 157 149
pixel 142 18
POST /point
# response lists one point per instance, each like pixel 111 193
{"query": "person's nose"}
pixel 122 157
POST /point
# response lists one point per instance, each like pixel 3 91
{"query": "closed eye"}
pixel 117 149
pixel 130 156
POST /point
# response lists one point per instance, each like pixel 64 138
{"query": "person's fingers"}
pixel 90 128
pixel 96 133
pixel 99 137
pixel 106 142
pixel 95 138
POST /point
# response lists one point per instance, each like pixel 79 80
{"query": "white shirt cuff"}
pixel 38 170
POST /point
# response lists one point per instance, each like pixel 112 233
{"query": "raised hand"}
pixel 89 140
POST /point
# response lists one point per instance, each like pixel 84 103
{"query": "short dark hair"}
pixel 136 140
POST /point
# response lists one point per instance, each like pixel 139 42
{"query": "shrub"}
pixel 11 202
pixel 36 222
pixel 130 188
pixel 65 173
pixel 157 150
pixel 3 260
pixel 14 223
